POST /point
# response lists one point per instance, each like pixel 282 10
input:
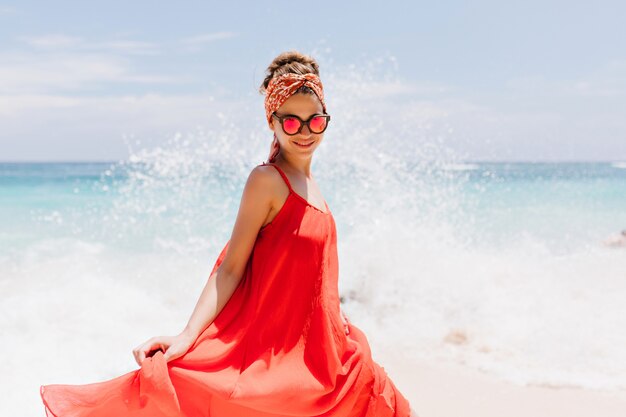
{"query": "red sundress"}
pixel 277 348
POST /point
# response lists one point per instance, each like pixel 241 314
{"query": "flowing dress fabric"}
pixel 277 348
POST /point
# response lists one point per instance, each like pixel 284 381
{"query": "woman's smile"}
pixel 303 144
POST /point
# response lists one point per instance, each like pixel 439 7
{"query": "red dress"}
pixel 277 348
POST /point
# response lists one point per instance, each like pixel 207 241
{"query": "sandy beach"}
pixel 441 390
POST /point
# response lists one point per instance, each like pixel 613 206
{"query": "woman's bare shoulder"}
pixel 268 186
pixel 266 178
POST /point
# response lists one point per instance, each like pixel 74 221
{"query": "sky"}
pixel 525 81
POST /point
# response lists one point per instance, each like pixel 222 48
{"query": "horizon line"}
pixel 469 161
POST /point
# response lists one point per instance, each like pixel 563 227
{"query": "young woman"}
pixel 267 337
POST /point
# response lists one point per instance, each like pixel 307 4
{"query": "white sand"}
pixel 438 390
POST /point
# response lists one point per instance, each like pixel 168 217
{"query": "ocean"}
pixel 501 267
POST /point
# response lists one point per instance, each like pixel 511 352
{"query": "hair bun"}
pixel 290 61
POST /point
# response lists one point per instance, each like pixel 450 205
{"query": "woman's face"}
pixel 303 106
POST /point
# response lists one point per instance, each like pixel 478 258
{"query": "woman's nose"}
pixel 305 131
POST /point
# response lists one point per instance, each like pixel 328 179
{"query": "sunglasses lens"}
pixel 291 125
pixel 317 124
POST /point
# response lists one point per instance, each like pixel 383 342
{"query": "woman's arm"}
pixel 217 291
pixel 257 200
pixel 256 203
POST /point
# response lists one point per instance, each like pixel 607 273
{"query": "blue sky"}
pixel 527 81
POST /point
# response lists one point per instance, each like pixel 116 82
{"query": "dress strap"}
pixel 282 174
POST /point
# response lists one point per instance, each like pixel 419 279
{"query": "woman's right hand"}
pixel 172 347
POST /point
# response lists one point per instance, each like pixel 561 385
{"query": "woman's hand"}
pixel 346 322
pixel 172 347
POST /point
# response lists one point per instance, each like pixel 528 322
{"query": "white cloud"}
pixel 381 89
pixel 130 47
pixel 606 81
pixel 61 127
pixel 208 37
pixel 149 105
pixel 12 106
pixel 76 44
pixel 37 73
pixel 6 10
pixel 51 41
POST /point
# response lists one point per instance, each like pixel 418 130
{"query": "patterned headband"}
pixel 284 86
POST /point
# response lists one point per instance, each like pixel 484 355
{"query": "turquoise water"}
pixel 568 204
